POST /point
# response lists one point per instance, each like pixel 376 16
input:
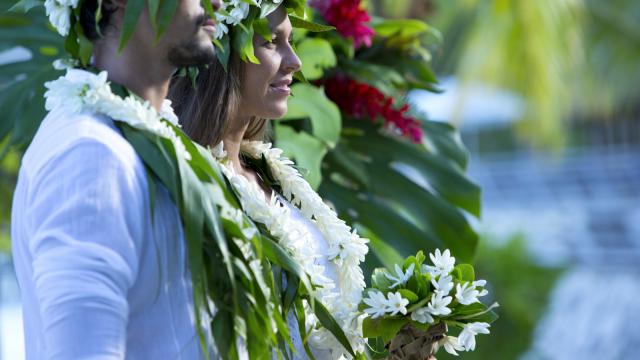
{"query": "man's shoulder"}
pixel 62 135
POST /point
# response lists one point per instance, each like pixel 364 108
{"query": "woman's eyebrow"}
pixel 281 32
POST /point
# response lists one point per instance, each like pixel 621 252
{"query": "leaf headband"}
pixel 237 22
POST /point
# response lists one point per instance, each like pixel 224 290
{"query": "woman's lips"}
pixel 281 87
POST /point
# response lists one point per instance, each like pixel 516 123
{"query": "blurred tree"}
pixel 533 48
pixel 569 59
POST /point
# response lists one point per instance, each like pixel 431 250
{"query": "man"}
pixel 102 274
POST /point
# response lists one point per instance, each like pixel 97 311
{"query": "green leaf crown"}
pixel 237 22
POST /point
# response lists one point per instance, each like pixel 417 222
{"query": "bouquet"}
pixel 417 308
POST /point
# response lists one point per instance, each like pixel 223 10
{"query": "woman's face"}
pixel 265 88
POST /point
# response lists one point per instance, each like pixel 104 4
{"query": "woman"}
pixel 231 107
pixel 226 111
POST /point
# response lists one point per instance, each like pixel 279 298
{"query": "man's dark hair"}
pixel 88 18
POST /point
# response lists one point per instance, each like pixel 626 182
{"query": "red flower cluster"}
pixel 361 101
pixel 348 17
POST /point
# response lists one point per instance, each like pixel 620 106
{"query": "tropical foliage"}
pixel 392 172
pixel 405 193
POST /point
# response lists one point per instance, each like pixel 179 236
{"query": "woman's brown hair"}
pixel 206 110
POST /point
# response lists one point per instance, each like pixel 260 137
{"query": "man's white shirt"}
pixel 99 277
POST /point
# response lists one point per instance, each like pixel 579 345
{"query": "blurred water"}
pixel 580 210
pixel 11 329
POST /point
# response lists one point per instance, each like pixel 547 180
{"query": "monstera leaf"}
pixel 410 197
pixel 22 82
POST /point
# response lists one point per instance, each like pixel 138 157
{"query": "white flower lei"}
pixel 81 91
pixel 59 13
pixel 346 249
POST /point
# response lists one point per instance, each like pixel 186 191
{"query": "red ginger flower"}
pixel 364 101
pixel 348 17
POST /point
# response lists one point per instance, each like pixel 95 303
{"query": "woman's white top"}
pixel 321 247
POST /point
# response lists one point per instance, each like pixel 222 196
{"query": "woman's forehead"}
pixel 279 20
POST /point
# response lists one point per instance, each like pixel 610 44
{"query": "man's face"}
pixel 188 38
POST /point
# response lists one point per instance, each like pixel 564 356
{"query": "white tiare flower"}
pixel 221 30
pixel 64 64
pixel 396 303
pixel 59 15
pixel 401 277
pixel 166 111
pixel 422 315
pixel 377 304
pixel 64 95
pixel 443 263
pixel 451 345
pixel 467 337
pixel 438 304
pixel 481 283
pixel 467 294
pixel 238 13
pixel 444 284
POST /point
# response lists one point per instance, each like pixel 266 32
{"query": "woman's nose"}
pixel 292 62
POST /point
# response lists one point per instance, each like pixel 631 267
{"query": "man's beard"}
pixel 191 54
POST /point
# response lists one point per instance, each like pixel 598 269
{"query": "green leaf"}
pixel 132 13
pixel 384 251
pixel 417 260
pixel 274 252
pixel 302 328
pixel 464 273
pixel 153 6
pixel 165 13
pixel 387 79
pixel 267 8
pixel 222 326
pixel 291 292
pixel 424 300
pixel 261 27
pixel 242 39
pixel 384 328
pixel 24 5
pixel 224 51
pixel 402 27
pixel 329 323
pixel 311 102
pixel 444 140
pixel 380 281
pixel 316 55
pixel 85 46
pixel 305 149
pixel 467 313
pixel 298 22
pixel 409 295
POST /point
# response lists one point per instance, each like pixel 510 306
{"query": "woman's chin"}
pixel 275 112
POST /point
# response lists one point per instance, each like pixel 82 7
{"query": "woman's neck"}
pixel 232 144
